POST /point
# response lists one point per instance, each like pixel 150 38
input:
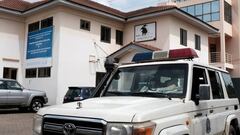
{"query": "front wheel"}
pixel 232 131
pixel 36 105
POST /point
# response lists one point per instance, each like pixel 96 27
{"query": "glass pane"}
pixel 191 10
pixel 2 85
pixel 207 18
pixel 215 17
pixel 229 85
pixel 216 86
pixel 184 9
pixel 12 85
pixel 199 10
pixel 215 6
pixel 152 81
pixel 206 8
pixel 200 17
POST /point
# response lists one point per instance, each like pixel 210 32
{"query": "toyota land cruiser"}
pixel 157 94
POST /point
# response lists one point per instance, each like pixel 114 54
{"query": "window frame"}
pixel 46 20
pixel 221 84
pixel 206 82
pixel 46 74
pixel 31 76
pixel 207 14
pixel 119 41
pixel 197 42
pixel 4 84
pixel 227 15
pixel 33 25
pixel 228 92
pixel 84 22
pixel 183 40
pixel 107 39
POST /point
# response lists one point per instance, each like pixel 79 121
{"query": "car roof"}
pixel 189 62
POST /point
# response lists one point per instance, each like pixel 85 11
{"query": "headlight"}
pixel 37 124
pixel 130 129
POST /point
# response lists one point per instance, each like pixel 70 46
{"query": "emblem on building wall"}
pixel 145 32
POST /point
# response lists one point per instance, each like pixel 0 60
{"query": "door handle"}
pixel 235 107
pixel 211 111
pixel 198 115
pixel 226 108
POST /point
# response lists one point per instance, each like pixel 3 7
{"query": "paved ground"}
pixel 13 122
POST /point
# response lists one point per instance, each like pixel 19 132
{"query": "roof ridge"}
pixel 22 6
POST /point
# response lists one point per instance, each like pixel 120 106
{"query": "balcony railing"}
pixel 215 57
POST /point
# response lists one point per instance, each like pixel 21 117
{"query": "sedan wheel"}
pixel 36 105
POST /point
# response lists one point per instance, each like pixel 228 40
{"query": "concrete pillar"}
pixel 222 35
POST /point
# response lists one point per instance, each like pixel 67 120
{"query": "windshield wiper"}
pixel 151 94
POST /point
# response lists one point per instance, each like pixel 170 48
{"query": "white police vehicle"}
pixel 151 97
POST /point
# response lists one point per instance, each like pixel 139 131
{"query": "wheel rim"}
pixel 36 106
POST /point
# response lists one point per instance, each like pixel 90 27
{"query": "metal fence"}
pixel 215 57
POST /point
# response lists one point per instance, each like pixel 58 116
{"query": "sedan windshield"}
pixel 168 80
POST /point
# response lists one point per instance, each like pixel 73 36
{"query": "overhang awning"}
pixel 133 46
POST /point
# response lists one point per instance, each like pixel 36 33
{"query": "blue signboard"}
pixel 40 43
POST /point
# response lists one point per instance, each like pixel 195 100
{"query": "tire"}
pixel 36 105
pixel 232 130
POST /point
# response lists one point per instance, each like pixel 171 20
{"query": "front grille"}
pixel 54 125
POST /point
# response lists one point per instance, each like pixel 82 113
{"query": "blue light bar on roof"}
pixel 184 53
pixel 142 57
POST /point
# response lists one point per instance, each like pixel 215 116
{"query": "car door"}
pixel 3 93
pixel 200 120
pixel 15 95
pixel 220 106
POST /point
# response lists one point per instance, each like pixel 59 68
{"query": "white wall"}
pixel 73 47
pixel 162 35
pixel 49 85
pixel 176 24
pixel 77 47
pixel 168 35
pixel 11 43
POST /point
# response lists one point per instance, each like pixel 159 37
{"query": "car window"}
pixel 216 85
pixel 86 92
pixel 2 85
pixel 199 77
pixel 167 80
pixel 13 85
pixel 229 85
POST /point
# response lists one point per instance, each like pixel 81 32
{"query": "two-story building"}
pixel 51 45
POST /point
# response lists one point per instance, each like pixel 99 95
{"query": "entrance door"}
pixel 10 73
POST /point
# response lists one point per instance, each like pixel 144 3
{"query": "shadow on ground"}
pixel 13 111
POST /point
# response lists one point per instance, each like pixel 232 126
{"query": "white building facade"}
pixel 63 43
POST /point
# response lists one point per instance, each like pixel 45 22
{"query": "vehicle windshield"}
pixel 166 80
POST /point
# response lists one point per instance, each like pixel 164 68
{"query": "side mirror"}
pixel 204 93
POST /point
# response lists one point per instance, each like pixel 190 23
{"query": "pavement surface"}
pixel 14 122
